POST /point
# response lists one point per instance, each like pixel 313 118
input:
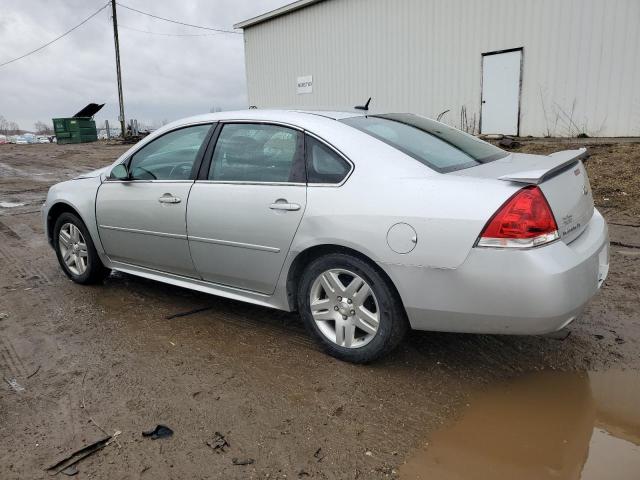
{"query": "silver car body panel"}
pixel 542 166
pixel 243 242
pixel 534 291
pixel 241 249
pixel 93 173
pixel 557 175
pixel 202 286
pixel 135 227
pixel 79 195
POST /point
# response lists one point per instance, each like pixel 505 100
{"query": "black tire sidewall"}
pixel 387 305
pixel 94 265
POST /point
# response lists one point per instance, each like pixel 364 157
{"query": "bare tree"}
pixel 8 127
pixel 4 126
pixel 42 128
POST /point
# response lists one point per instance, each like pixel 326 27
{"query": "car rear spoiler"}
pixel 552 165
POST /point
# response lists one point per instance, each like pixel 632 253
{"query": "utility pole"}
pixel 115 39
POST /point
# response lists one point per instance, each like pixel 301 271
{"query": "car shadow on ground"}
pixel 457 352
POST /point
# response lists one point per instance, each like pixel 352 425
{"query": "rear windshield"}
pixel 442 148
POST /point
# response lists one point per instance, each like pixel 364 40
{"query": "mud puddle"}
pixel 541 426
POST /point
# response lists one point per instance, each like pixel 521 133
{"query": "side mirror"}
pixel 119 172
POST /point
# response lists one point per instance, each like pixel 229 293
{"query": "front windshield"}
pixel 438 146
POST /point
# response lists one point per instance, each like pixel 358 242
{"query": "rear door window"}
pixel 249 152
pixel 438 146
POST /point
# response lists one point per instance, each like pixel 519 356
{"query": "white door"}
pixel 501 92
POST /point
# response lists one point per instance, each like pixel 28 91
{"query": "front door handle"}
pixel 284 205
pixel 168 198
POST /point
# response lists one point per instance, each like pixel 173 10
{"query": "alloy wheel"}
pixel 73 249
pixel 344 308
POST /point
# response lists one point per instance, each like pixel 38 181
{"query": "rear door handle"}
pixel 168 198
pixel 292 207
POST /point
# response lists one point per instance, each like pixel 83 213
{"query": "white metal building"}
pixel 527 67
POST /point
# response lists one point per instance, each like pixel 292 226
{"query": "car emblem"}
pixel 567 219
pixel 576 172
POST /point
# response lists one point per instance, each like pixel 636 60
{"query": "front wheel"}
pixel 350 309
pixel 75 250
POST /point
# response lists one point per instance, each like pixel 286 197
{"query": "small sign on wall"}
pixel 305 84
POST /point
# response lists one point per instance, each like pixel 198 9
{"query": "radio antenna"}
pixel 364 107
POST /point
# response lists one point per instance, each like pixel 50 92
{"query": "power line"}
pixel 178 22
pixel 57 38
pixel 169 34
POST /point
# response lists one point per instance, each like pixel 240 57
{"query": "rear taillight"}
pixel 525 220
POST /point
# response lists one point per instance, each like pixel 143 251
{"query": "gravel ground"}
pixel 98 359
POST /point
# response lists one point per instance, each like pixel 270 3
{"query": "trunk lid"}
pixel 562 178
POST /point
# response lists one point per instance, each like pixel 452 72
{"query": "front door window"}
pixel 170 157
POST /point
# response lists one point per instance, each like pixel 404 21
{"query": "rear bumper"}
pixel 528 292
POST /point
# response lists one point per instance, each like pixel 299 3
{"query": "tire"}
pixel 342 320
pixel 89 268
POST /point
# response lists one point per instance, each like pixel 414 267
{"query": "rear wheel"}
pixel 75 250
pixel 350 309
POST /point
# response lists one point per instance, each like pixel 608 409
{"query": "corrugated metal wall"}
pixel 581 69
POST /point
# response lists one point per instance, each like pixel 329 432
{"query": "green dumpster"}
pixel 80 128
pixel 75 130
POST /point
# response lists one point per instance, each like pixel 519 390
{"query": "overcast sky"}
pixel 163 77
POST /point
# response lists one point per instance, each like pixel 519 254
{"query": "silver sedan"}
pixel 367 225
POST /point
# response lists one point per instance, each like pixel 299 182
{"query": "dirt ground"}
pixel 80 361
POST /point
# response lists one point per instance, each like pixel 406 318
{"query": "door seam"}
pixel 186 229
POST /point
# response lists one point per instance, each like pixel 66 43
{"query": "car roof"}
pixel 294 117
pixel 320 122
pixel 334 114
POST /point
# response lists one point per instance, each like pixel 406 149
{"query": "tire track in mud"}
pixel 9 171
pixel 39 176
pixel 10 362
pixel 13 250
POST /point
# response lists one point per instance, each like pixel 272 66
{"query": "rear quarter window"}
pixel 323 164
